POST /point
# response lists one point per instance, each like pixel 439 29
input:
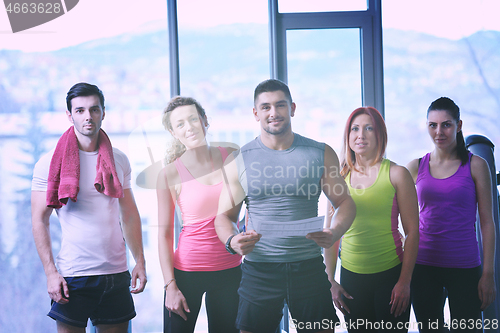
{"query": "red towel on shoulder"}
pixel 106 179
pixel 64 172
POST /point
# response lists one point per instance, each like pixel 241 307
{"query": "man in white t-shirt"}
pixel 90 277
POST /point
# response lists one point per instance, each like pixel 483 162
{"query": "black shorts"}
pixel 303 285
pixel 105 299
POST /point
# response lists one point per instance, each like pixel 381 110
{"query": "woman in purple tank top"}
pixel 200 265
pixel 452 184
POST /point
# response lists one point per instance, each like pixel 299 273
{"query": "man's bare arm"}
pixel 132 232
pixel 336 190
pixel 230 203
pixel 40 221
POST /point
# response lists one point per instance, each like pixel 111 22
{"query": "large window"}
pixel 222 59
pixel 443 48
pixel 224 52
pixel 324 75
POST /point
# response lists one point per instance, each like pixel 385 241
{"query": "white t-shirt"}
pixel 92 241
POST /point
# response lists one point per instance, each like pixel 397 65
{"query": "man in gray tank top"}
pixel 280 176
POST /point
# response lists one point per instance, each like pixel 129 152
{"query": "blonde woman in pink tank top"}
pixel 200 265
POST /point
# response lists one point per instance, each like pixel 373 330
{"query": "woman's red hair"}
pixel 348 156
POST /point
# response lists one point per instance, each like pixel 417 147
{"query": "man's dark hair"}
pixel 83 89
pixel 270 86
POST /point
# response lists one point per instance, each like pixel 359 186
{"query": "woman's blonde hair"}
pixel 175 148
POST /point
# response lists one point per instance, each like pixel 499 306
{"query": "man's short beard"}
pixel 277 131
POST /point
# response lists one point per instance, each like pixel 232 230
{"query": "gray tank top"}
pixel 280 186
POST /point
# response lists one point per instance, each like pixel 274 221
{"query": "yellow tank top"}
pixel 373 244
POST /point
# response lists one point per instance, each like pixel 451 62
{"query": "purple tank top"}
pixel 447 218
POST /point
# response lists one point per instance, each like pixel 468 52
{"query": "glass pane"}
pixel 457 56
pixel 324 75
pixel 297 6
pixel 222 59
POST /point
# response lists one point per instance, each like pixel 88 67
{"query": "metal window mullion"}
pixel 328 20
pixel 378 60
pixel 277 43
pixel 367 73
pixel 273 37
pixel 173 48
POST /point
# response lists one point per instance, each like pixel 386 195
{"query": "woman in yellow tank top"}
pixel 374 294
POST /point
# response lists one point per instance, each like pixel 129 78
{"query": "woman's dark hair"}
pixel 447 104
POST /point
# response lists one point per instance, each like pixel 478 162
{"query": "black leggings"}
pixel 429 286
pixel 370 304
pixel 221 300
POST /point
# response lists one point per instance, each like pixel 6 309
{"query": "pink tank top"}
pixel 199 247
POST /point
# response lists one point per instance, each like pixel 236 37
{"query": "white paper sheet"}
pixel 291 228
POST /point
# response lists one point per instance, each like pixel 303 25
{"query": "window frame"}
pixel 369 23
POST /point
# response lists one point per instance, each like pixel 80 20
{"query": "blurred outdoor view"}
pixel 224 54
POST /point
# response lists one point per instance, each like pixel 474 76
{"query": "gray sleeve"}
pixel 242 174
